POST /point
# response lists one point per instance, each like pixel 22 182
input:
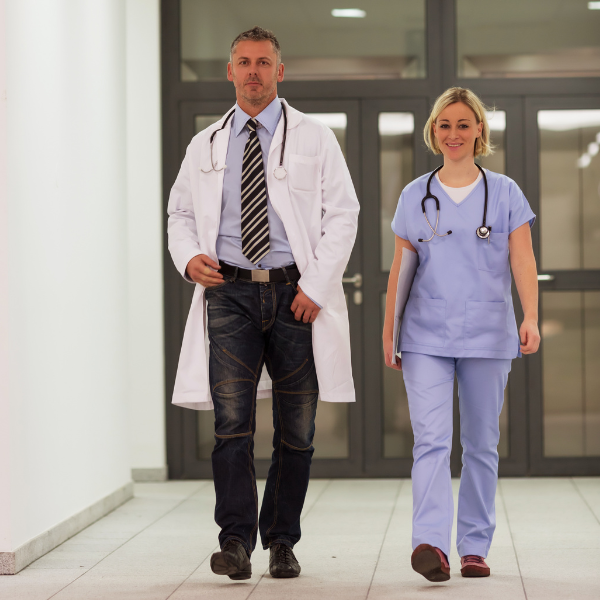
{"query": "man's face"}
pixel 254 71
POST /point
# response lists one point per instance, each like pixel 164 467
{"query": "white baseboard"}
pixel 158 474
pixel 13 562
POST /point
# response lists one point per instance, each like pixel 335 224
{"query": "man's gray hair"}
pixel 256 34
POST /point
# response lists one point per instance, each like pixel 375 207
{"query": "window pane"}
pixel 396 169
pixel 203 121
pixel 388 42
pixel 569 189
pixel 337 122
pixel 571 385
pixel 497 161
pixel 397 430
pixel 537 38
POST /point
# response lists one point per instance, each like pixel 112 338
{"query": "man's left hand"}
pixel 304 308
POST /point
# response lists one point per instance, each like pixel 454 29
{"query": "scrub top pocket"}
pixel 486 326
pixel 424 322
pixel 493 256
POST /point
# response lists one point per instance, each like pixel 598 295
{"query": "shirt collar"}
pixel 268 118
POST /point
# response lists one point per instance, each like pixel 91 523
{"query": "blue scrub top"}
pixel 460 303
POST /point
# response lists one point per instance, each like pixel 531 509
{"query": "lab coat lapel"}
pixel 212 211
pixel 279 193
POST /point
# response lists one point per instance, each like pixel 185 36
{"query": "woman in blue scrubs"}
pixel 459 320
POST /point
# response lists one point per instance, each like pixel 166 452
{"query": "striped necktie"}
pixel 255 224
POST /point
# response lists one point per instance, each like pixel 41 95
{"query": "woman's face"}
pixel 456 130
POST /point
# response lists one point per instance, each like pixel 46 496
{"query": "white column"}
pixel 63 231
pixel 144 240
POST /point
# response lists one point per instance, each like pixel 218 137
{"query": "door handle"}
pixel 545 277
pixel 356 280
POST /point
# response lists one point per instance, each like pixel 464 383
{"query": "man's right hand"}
pixel 204 270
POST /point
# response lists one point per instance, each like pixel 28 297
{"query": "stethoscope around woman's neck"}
pixel 279 172
pixel 482 232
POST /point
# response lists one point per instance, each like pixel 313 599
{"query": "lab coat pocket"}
pixel 493 256
pixel 424 322
pixel 304 172
pixel 486 326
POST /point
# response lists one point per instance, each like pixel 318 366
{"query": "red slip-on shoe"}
pixel 430 562
pixel 474 566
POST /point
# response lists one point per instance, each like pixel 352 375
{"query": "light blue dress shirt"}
pixel 229 240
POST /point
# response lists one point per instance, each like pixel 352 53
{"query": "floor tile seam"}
pixel 392 512
pixel 301 521
pixel 584 500
pixel 193 571
pixel 504 506
pixel 217 546
pixel 127 541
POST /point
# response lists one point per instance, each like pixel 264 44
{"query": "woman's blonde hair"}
pixel 483 146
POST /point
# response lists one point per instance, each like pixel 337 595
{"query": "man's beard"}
pixel 257 101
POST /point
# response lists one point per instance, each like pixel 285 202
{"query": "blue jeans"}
pixel 250 324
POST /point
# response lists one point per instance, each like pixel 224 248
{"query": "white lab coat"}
pixel 319 210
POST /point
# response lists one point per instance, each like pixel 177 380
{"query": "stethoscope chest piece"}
pixel 483 232
pixel 280 173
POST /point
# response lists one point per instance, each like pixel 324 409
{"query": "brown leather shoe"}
pixel 430 562
pixel 232 560
pixel 474 566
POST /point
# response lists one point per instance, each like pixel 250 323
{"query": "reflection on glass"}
pixel 388 43
pixel 337 122
pixel 527 39
pixel 570 189
pixel 201 122
pixel 571 382
pixel 497 161
pixel 396 169
pixel 397 431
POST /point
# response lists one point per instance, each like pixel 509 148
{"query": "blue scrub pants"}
pixel 429 384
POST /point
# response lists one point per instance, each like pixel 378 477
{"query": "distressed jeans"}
pixel 251 324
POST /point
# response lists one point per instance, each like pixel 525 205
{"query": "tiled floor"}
pixel 356 545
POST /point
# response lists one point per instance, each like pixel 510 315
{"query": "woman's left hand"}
pixel 530 336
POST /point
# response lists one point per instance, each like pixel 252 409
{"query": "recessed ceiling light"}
pixel 594 5
pixel 357 13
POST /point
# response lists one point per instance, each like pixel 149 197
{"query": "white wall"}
pixel 66 285
pixel 145 223
pixel 5 532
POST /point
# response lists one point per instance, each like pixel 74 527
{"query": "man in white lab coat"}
pixel 263 218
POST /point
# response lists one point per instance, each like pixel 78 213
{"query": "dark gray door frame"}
pixel 574 280
pixel 519 96
pixel 192 466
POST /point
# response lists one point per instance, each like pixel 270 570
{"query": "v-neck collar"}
pixel 466 199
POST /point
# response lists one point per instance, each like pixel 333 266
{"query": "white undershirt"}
pixel 458 194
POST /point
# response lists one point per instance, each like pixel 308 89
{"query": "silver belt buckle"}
pixel 260 275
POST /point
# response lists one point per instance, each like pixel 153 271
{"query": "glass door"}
pixel 564 141
pixel 338 436
pixel 393 155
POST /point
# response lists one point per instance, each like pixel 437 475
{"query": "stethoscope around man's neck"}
pixel 279 172
pixel 483 232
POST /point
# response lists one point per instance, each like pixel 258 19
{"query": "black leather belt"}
pixel 261 275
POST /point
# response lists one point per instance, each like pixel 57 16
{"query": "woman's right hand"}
pixel 388 351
